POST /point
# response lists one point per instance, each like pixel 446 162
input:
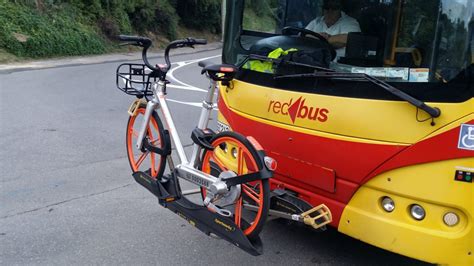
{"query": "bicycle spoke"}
pixel 153 142
pixel 134 133
pixel 141 159
pixel 240 162
pixel 251 193
pixel 152 155
pixel 238 212
pixel 218 162
pixel 153 169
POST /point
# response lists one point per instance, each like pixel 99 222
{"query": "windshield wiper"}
pixel 432 111
pixel 330 73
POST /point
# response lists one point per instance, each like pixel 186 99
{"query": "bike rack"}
pixel 169 196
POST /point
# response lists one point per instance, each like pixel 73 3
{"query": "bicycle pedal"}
pixel 317 217
pixel 167 199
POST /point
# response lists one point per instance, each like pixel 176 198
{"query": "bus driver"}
pixel 334 25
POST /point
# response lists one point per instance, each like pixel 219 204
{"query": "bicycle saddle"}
pixel 218 72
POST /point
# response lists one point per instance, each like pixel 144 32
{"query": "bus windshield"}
pixel 428 41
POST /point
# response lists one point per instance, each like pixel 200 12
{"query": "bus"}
pixel 379 129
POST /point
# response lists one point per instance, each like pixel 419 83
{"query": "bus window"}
pixel 452 44
pixel 424 41
pixel 300 17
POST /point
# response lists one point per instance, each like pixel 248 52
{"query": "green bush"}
pixel 123 21
pixel 166 19
pixel 155 16
pixel 45 28
pixel 26 32
pixel 200 14
pixel 142 15
pixel 261 8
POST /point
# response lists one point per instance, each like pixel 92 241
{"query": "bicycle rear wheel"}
pixel 139 159
pixel 233 152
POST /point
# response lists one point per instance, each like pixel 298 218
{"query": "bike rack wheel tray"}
pixel 169 196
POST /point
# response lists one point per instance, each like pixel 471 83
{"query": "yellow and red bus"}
pixel 380 130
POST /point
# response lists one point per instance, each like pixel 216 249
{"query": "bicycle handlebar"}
pixel 135 40
pixel 188 42
pixel 146 43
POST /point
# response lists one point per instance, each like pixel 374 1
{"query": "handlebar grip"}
pixel 200 41
pixel 137 40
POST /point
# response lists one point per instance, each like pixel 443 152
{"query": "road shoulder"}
pixel 97 59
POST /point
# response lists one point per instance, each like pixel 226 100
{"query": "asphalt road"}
pixel 67 195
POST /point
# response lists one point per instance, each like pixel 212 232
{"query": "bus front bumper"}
pixel 430 239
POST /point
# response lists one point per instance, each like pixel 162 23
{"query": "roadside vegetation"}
pixel 261 15
pixel 52 28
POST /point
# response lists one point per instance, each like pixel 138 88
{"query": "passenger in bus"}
pixel 334 25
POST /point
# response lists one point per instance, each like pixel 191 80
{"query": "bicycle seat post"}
pixel 207 106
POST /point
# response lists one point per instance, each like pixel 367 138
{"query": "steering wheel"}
pixel 303 32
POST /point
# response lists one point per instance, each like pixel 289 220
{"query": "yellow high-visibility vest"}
pixel 265 66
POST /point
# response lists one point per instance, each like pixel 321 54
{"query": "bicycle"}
pixel 231 170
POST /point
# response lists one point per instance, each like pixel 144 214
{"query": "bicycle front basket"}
pixel 133 79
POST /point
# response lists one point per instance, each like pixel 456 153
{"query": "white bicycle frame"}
pixel 187 169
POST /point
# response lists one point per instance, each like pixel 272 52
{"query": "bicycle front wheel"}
pixel 234 153
pixel 143 160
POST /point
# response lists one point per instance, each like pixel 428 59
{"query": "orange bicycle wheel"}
pixel 233 152
pixel 140 159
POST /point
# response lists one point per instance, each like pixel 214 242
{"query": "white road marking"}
pixel 185 63
pixel 185 88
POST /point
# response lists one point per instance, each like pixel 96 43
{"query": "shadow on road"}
pixel 337 247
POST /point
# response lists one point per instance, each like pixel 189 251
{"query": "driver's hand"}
pixel 325 35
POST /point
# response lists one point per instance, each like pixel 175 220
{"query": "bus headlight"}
pixel 388 204
pixel 417 212
pixel 451 219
